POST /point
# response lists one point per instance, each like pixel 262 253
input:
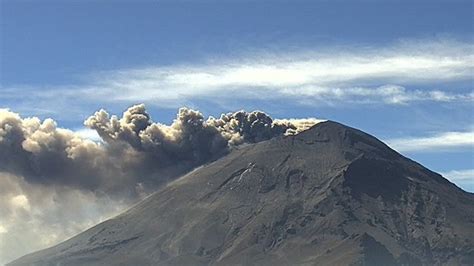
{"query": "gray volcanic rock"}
pixel 331 195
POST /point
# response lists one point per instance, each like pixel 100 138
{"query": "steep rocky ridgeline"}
pixel 331 195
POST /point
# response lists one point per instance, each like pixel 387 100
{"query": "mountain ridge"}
pixel 330 195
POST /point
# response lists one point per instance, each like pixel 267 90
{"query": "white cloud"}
pixel 20 201
pixel 388 94
pixel 440 142
pixel 461 176
pixel 355 75
pixel 87 133
pixel 331 75
pixel 312 71
pixel 34 216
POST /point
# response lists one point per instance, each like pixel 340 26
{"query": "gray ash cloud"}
pixel 55 183
pixel 135 152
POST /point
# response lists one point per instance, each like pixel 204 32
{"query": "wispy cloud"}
pixel 362 75
pixel 325 75
pixel 440 142
pixel 461 176
pixel 387 94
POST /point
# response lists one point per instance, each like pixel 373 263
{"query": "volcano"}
pixel 330 195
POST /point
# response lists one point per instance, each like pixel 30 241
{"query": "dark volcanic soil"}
pixel 331 195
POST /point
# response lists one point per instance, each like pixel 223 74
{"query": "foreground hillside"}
pixel 331 195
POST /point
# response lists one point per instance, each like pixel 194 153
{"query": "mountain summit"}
pixel 331 195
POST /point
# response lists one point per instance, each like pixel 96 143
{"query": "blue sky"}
pixel 401 70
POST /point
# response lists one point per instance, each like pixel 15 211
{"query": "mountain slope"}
pixel 331 195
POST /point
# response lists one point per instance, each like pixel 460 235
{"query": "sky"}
pixel 399 70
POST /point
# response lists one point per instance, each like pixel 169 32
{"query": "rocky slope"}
pixel 331 195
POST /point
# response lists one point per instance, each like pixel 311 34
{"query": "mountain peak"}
pixel 330 195
pixel 347 138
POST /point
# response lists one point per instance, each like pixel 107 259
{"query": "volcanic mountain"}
pixel 331 195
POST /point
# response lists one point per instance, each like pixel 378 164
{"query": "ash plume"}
pixel 135 151
pixel 55 183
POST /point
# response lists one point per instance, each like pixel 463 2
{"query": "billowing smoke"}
pixel 45 168
pixel 135 150
pixel 35 216
pixel 189 137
